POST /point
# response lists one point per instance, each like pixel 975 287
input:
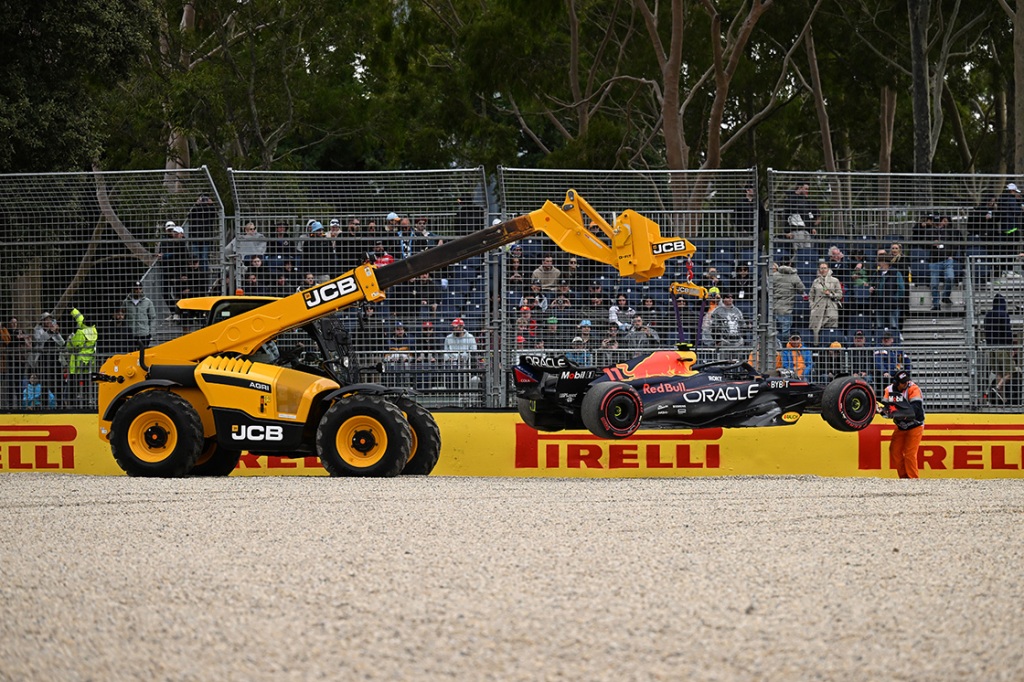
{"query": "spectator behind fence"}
pixel 460 344
pixel 175 255
pixel 140 315
pixel 280 248
pixel 1010 216
pixel 787 287
pixel 17 344
pixel 998 334
pixel 36 396
pixel 825 299
pixel 889 359
pixel 247 244
pixel 621 313
pixel 641 335
pixel 888 298
pixel 862 358
pixel 547 274
pixel 727 323
pixel 203 228
pixel 941 240
pixel 49 347
pixel 797 361
pixel 834 363
pixel 899 263
pixel 82 360
pixel 316 251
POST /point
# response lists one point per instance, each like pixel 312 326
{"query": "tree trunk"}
pixel 919 11
pixel 820 108
pixel 1018 89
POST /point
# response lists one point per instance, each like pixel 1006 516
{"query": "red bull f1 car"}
pixel 669 389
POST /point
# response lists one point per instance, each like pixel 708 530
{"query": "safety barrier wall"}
pixel 498 444
pixel 84 238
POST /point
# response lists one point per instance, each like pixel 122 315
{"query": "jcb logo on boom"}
pixel 670 247
pixel 325 293
pixel 254 432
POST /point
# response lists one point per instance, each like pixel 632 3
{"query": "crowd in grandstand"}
pixel 837 303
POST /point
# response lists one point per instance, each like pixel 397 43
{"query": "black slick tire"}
pixel 612 410
pixel 848 404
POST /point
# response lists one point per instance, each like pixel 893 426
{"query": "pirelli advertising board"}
pixel 498 444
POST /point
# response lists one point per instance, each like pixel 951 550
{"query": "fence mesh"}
pixel 81 240
pixel 84 239
pixel 898 246
pixel 552 300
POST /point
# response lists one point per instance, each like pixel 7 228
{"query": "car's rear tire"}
pixel 612 410
pixel 848 404
pixel 426 438
pixel 364 435
pixel 156 434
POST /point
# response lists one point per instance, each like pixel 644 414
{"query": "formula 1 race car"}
pixel 668 389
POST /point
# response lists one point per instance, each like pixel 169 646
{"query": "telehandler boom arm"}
pixel 633 245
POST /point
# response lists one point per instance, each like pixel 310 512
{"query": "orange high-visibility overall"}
pixel 904 443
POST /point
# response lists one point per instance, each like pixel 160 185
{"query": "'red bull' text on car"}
pixel 668 389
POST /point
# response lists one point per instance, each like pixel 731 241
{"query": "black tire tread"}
pixel 190 430
pixel 428 438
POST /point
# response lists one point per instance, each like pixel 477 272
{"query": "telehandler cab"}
pixel 191 405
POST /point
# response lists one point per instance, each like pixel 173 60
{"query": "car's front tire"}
pixel 848 404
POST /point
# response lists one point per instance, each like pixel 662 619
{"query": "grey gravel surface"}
pixel 791 578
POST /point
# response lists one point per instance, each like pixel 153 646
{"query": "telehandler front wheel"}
pixel 426 438
pixel 156 434
pixel 363 435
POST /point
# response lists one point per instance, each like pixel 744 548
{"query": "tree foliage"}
pixel 376 84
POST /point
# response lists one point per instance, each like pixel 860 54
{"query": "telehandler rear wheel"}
pixel 426 438
pixel 363 435
pixel 215 460
pixel 156 434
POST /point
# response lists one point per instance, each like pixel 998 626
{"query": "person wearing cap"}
pixel 553 334
pixel 834 363
pixel 317 251
pixel 903 402
pixel 399 345
pixel 393 233
pixel 889 359
pixel 727 324
pixel 460 344
pixel 584 330
pixel 578 353
pixel 175 254
pixel 140 316
pixel 535 297
pixel 82 359
pixel 1009 215
pixel 796 360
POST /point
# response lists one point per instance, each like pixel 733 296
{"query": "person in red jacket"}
pixel 903 402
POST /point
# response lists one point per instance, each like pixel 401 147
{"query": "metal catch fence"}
pixel 84 239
